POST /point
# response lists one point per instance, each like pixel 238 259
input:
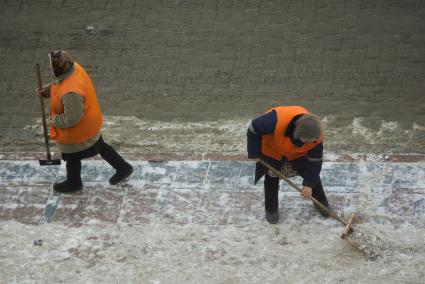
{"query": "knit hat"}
pixel 61 62
pixel 308 128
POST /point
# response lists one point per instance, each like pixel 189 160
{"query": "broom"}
pixel 363 237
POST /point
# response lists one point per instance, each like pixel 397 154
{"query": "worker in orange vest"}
pixel 76 121
pixel 290 139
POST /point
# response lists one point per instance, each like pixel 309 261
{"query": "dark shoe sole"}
pixel 69 189
pixel 124 177
pixel 272 218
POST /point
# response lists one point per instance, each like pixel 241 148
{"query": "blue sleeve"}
pixel 313 165
pixel 262 125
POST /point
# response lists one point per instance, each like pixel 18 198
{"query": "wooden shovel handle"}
pixel 43 114
pixel 291 183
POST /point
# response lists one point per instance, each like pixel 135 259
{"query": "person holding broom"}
pixel 76 121
pixel 290 139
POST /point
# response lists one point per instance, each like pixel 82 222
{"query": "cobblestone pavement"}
pixel 208 193
pixel 203 221
pixel 356 63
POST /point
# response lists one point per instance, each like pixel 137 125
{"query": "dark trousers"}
pixel 271 188
pixel 73 160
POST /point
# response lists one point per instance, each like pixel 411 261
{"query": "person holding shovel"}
pixel 290 139
pixel 76 121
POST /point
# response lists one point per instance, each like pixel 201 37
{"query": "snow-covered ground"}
pixel 203 221
pixel 228 136
pixel 168 253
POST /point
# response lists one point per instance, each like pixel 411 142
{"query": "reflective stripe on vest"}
pixel 277 145
pixel 90 124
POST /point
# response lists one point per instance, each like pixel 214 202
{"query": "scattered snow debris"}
pixel 191 253
pixel 90 29
pixel 370 241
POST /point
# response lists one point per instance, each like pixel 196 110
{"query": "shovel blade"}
pixel 50 163
pixel 348 229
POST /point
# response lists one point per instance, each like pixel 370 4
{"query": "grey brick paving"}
pixel 206 192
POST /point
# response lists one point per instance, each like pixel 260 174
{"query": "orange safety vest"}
pixel 277 145
pixel 90 124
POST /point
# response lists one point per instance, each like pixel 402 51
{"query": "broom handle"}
pixel 43 114
pixel 291 183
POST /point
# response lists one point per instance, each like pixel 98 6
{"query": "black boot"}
pixel 121 175
pixel 73 181
pixel 123 168
pixel 322 212
pixel 67 186
pixel 272 217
